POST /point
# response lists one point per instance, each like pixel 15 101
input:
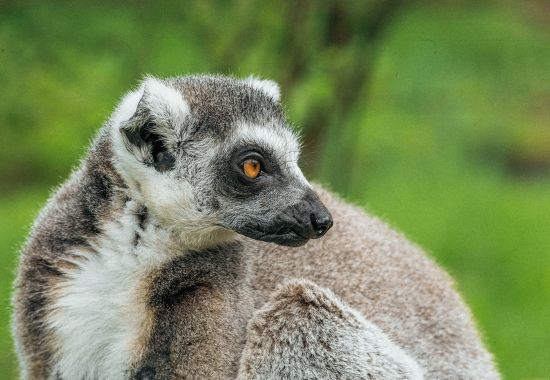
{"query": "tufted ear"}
pixel 267 86
pixel 151 132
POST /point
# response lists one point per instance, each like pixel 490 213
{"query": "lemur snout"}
pixel 321 224
pixel 312 218
pixel 306 219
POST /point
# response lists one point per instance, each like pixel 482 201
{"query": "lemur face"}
pixel 211 156
pixel 261 191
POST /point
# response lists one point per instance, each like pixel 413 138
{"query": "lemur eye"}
pixel 252 168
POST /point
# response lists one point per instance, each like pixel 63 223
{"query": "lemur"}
pixel 177 250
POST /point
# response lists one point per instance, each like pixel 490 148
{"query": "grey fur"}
pixel 203 287
pixel 70 218
pixel 305 332
pixel 203 282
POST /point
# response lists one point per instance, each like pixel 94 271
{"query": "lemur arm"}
pixel 305 332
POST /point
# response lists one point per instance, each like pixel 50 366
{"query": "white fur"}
pixel 166 104
pixel 171 201
pixel 267 86
pixel 126 108
pixel 100 312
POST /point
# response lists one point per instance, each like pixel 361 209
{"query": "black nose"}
pixel 321 223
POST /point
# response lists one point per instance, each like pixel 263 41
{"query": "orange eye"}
pixel 252 168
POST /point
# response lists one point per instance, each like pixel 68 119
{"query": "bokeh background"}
pixel 434 115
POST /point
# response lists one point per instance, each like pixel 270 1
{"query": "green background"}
pixel 434 115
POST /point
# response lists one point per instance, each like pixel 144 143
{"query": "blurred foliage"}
pixel 434 115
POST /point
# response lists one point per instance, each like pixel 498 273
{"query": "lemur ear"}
pixel 152 131
pixel 267 86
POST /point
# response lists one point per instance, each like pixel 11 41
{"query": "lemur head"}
pixel 210 156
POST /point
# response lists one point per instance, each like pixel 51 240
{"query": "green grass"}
pixel 458 95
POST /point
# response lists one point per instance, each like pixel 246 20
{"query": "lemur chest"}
pixel 131 309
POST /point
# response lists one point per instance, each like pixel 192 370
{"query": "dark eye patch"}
pixel 234 183
pixel 262 154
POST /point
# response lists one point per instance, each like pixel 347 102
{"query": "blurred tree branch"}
pixel 352 32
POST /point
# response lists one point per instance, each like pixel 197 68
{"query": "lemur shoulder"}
pixel 177 249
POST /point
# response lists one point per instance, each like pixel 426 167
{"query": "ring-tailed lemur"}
pixel 152 259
